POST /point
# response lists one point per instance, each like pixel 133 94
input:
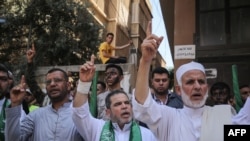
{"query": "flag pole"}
pixel 93 96
pixel 236 90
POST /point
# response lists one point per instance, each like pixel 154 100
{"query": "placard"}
pixel 211 73
pixel 184 52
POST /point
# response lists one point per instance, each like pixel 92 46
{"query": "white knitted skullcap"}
pixel 187 67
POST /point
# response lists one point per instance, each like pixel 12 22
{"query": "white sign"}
pixel 211 73
pixel 184 52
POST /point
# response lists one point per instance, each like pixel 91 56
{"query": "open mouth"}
pixel 196 96
pixel 125 114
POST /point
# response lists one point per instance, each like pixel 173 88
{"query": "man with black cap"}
pixel 195 121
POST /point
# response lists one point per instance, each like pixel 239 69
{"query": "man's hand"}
pixel 149 49
pixel 86 74
pixel 18 93
pixel 150 44
pixel 31 53
pixel 130 42
pixel 87 70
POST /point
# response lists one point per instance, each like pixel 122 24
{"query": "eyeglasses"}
pixel 55 80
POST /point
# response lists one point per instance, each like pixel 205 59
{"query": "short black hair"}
pixel 110 33
pixel 114 66
pixel 220 86
pixel 101 83
pixel 112 93
pixel 65 75
pixel 244 86
pixel 159 70
pixel 4 69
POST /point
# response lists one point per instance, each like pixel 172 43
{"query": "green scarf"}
pixel 6 103
pixel 108 132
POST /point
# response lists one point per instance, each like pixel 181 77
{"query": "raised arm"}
pixel 30 76
pixel 18 93
pixel 149 49
pixel 86 75
pixel 124 46
pixel 13 130
pixel 85 123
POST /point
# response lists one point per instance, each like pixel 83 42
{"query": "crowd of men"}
pixel 151 113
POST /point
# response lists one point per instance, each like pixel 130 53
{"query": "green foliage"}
pixel 64 32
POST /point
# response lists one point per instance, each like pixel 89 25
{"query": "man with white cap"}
pixel 195 121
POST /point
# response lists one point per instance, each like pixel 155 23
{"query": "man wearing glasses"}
pixel 52 122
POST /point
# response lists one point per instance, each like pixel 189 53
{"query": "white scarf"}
pixel 213 121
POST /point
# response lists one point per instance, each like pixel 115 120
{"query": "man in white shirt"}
pixel 194 122
pixel 121 126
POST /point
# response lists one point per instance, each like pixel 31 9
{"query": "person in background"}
pixel 101 87
pixel 121 125
pixel 30 99
pixel 25 105
pixel 244 92
pixel 193 122
pixel 4 101
pixel 219 94
pixel 7 81
pixel 31 78
pixel 106 51
pixel 160 90
pixel 160 83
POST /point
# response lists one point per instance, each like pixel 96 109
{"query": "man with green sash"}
pixel 121 125
pixel 4 102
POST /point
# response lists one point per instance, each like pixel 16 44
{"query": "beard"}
pixel 120 121
pixel 160 92
pixel 60 97
pixel 114 82
pixel 187 102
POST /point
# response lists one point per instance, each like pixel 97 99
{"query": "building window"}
pixel 223 22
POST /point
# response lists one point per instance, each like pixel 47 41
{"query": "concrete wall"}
pixel 127 84
pixel 128 21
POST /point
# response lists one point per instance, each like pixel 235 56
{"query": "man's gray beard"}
pixel 187 102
